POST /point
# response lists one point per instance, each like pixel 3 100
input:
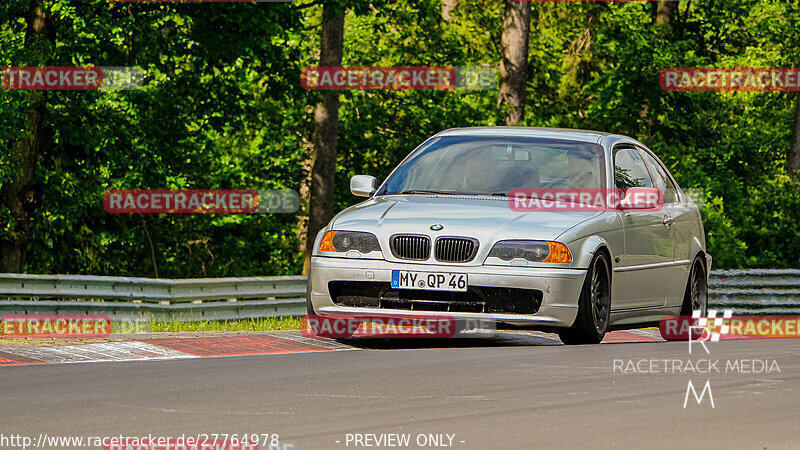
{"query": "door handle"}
pixel 668 220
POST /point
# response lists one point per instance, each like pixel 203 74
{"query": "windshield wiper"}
pixel 422 191
pixel 494 194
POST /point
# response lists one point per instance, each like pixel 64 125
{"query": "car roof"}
pixel 553 133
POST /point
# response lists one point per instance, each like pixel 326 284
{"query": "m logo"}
pixel 691 389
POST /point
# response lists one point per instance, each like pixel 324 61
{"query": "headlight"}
pixel 344 241
pixel 534 251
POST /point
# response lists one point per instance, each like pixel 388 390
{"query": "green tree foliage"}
pixel 223 107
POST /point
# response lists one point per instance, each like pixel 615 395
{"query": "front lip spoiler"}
pixel 491 317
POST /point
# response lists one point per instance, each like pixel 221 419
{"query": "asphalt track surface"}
pixel 491 393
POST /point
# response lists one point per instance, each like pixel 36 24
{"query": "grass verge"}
pixel 268 324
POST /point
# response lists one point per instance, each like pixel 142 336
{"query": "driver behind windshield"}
pixel 583 170
pixel 481 174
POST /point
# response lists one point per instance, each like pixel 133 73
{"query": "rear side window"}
pixel 662 181
pixel 629 169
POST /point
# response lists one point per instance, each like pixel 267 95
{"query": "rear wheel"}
pixel 696 296
pixel 594 305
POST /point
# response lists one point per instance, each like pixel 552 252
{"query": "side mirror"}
pixel 363 185
pixel 641 198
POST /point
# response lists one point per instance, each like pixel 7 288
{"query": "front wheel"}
pixel 594 305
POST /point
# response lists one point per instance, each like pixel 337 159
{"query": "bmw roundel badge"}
pixel 437 227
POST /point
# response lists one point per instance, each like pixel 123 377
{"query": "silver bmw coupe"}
pixel 568 231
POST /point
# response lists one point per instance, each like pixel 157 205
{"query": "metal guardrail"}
pixel 762 291
pixel 144 299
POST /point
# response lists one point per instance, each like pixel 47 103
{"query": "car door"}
pixel 681 222
pixel 643 271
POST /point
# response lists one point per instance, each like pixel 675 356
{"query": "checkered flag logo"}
pixel 718 322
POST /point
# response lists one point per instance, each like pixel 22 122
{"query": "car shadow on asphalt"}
pixel 463 340
pixel 501 338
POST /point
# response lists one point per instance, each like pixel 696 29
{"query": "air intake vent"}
pixel 456 249
pixel 408 246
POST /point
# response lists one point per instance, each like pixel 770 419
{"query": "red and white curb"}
pixel 161 348
pixel 166 348
pixel 105 351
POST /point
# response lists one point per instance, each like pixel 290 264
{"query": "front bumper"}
pixel 560 288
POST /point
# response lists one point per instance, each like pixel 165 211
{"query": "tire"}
pixel 696 294
pixel 695 297
pixel 594 305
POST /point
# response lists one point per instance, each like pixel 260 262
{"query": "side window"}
pixel 662 181
pixel 629 169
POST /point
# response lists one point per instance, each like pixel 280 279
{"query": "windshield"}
pixel 496 165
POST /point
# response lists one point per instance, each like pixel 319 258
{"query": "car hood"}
pixel 486 218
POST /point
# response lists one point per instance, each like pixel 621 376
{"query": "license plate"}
pixel 431 281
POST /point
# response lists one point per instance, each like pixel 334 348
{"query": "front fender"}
pixel 587 249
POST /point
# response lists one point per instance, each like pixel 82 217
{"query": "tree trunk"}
pixel 514 62
pixel 326 127
pixel 793 159
pixel 18 194
pixel 665 13
pixel 448 6
pixel 305 194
